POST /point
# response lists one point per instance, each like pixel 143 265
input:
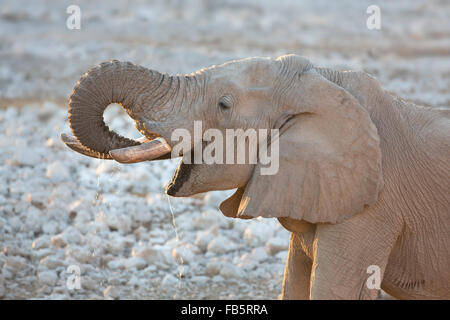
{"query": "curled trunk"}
pixel 111 82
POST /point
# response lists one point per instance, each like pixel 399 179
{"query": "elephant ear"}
pixel 230 206
pixel 329 158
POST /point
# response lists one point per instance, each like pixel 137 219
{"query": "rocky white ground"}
pixel 114 222
pixel 59 209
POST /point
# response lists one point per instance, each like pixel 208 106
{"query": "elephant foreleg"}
pixel 348 254
pixel 297 273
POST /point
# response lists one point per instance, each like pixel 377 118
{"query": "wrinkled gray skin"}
pixel 363 178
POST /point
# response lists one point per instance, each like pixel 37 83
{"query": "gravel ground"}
pixel 59 209
pixel 114 222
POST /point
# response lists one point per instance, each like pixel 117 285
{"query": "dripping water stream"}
pixel 98 206
pixel 101 206
pixel 177 239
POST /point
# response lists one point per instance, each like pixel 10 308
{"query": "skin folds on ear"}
pixel 330 159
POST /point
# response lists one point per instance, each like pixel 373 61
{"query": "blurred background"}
pixel 42 59
pixel 58 209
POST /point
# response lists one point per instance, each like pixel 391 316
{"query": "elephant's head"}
pixel 329 164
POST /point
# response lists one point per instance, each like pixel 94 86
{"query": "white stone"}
pixel 282 256
pixel 48 278
pixel 14 250
pixel 213 268
pixel 218 278
pixel 107 167
pixel 169 282
pixel 70 235
pixel 258 254
pixel 230 271
pixel 157 240
pixel 201 280
pixel 15 223
pixel 15 264
pixel 208 219
pixel 135 262
pixel 33 221
pixel 80 254
pixel 133 282
pixel 41 253
pixel 117 221
pixel 57 172
pixel 7 273
pixel 111 292
pixel 50 227
pixel 143 216
pixel 50 142
pixel 281 232
pixel 27 156
pixel 82 211
pixel 150 270
pixel 159 255
pixel 10 114
pixel 116 264
pixel 183 254
pixel 257 233
pixel 51 262
pixel 220 245
pixel 58 241
pixel 203 238
pixel 88 283
pixel 214 198
pixel 276 244
pixel 61 194
pixel 260 273
pixel 116 244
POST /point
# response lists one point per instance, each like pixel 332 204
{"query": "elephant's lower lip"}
pixel 180 176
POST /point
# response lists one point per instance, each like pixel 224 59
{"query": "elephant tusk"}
pixel 75 145
pixel 147 151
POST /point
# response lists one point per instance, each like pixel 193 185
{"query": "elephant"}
pixel 363 179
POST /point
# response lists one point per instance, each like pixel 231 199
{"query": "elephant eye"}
pixel 224 104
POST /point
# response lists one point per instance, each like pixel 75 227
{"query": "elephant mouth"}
pixel 181 175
